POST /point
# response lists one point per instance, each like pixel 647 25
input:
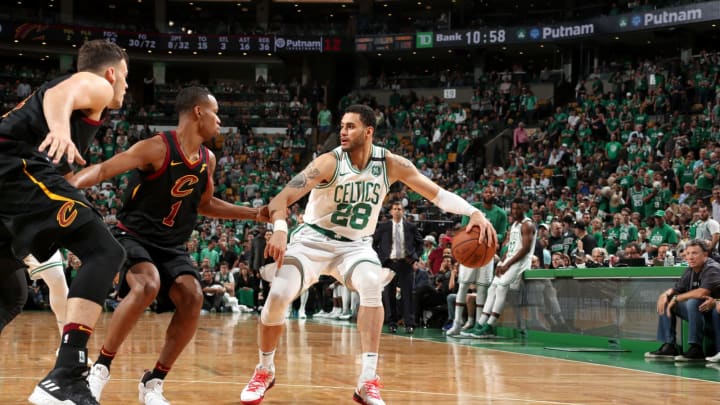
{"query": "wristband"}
pixel 280 225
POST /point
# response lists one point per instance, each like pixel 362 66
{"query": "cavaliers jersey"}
pixel 161 207
pixel 26 123
pixel 515 244
pixel 348 206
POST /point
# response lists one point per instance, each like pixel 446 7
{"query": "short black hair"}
pixel 367 115
pixel 189 97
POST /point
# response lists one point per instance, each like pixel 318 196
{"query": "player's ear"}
pixel 110 74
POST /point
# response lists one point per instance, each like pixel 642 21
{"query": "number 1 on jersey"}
pixel 170 219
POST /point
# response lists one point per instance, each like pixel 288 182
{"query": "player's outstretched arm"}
pixel 321 169
pixel 82 91
pixel 401 169
pixel 147 155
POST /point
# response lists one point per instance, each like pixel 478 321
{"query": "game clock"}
pixel 469 38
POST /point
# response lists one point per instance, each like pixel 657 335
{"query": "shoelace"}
pixel 258 381
pixel 372 388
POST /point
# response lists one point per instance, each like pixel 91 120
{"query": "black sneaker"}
pixel 63 386
pixel 694 353
pixel 665 352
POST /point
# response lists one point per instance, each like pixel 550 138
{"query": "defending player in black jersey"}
pixel 40 211
pixel 173 183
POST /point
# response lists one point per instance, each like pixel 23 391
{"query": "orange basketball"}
pixel 467 250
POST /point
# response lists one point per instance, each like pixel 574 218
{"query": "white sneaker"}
pixel 455 330
pixel 302 315
pixel 321 314
pixel 469 324
pixel 714 359
pixel 254 392
pixel 345 316
pixel 151 392
pixel 97 378
pixel 335 313
pixel 368 393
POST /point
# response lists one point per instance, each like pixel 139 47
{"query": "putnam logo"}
pixel 66 214
pixel 672 17
pixel 183 186
pixel 298 44
pixel 567 31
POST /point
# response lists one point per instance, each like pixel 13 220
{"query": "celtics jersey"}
pixel 348 206
pixel 515 244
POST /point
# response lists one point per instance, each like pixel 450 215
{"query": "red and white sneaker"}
pixel 369 393
pixel 261 381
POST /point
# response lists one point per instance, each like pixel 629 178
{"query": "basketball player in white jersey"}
pixel 518 258
pixel 53 274
pixel 347 187
pixel 482 276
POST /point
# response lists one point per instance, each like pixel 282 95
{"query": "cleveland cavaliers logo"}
pixel 66 214
pixel 183 186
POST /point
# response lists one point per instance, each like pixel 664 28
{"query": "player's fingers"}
pixel 77 157
pixel 59 152
pixel 70 152
pixel 44 144
pixel 54 145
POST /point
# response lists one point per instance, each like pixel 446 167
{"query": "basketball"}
pixel 467 250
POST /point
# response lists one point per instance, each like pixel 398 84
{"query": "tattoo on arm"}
pixel 404 162
pixel 298 181
pixel 312 171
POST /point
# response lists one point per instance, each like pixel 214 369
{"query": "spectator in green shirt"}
pixel 662 233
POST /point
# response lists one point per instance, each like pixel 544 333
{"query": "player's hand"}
pixel 487 232
pixel 57 145
pixel 276 247
pixel 500 269
pixel 263 214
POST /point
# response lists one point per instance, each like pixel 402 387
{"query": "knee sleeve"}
pixel 490 299
pixel 13 295
pixel 462 293
pixel 283 290
pixel 368 281
pixel 500 295
pixel 101 259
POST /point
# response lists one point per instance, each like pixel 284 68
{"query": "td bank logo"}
pixel 424 40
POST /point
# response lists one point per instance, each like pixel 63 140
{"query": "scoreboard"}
pixel 176 42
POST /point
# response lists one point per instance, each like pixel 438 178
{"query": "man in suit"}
pixel 399 245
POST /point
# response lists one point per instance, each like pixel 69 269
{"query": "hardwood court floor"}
pixel 318 364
